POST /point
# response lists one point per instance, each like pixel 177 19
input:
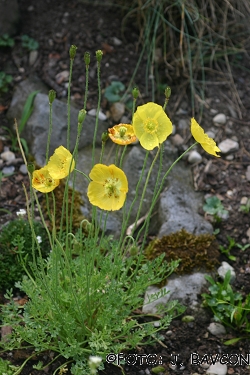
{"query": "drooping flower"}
pixel 207 143
pixel 151 125
pixel 43 181
pixel 122 134
pixel 60 163
pixel 108 187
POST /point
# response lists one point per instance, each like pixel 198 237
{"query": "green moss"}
pixel 78 202
pixel 195 251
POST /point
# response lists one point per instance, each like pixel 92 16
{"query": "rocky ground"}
pixel 55 27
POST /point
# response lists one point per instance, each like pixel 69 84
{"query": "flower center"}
pixel 150 125
pixel 111 188
pixel 122 131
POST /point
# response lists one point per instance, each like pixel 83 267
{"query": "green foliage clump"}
pixel 113 93
pixel 228 306
pixel 78 309
pixel 6 41
pixel 15 247
pixel 5 80
pixel 215 208
pixel 194 251
pixel 29 43
pixel 6 368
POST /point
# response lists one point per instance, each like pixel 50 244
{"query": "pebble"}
pixel 117 111
pixel 222 270
pixel 248 173
pixel 8 170
pixel 194 157
pixel 116 41
pixel 228 145
pixel 177 140
pixel 211 134
pixel 248 234
pixel 101 115
pixel 216 329
pixel 217 369
pixel 244 200
pixel 62 76
pixel 8 156
pixel 229 157
pixel 23 169
pixel 220 119
pixel 33 55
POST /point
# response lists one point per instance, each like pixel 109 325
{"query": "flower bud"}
pixel 135 92
pixel 87 58
pixel 105 136
pixel 31 168
pixel 167 92
pixel 99 54
pixel 72 52
pixel 52 96
pixel 81 116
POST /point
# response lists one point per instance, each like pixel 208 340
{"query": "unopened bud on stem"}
pixel 87 58
pixel 52 96
pixel 99 54
pixel 72 52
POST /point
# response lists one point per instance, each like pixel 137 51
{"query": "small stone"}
pixel 228 145
pixel 8 170
pixel 248 234
pixel 216 329
pixel 117 111
pixel 248 173
pixel 220 119
pixel 63 76
pixel 229 157
pixel 217 369
pixel 177 140
pixel 213 111
pixel 33 57
pixel 8 156
pixel 222 270
pixel 23 169
pixel 211 134
pixel 194 157
pixel 244 200
pixel 101 115
pixel 116 41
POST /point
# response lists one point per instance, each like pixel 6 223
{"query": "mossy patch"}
pixel 77 203
pixel 194 251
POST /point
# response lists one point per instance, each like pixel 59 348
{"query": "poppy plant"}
pixel 151 125
pixel 122 134
pixel 108 187
pixel 61 163
pixel 207 143
pixel 43 181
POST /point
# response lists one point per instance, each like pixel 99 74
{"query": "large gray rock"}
pixel 184 288
pixel 37 127
pixel 179 205
pixel 9 17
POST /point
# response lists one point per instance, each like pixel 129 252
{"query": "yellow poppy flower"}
pixel 108 187
pixel 151 125
pixel 122 134
pixel 60 163
pixel 207 143
pixel 42 180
